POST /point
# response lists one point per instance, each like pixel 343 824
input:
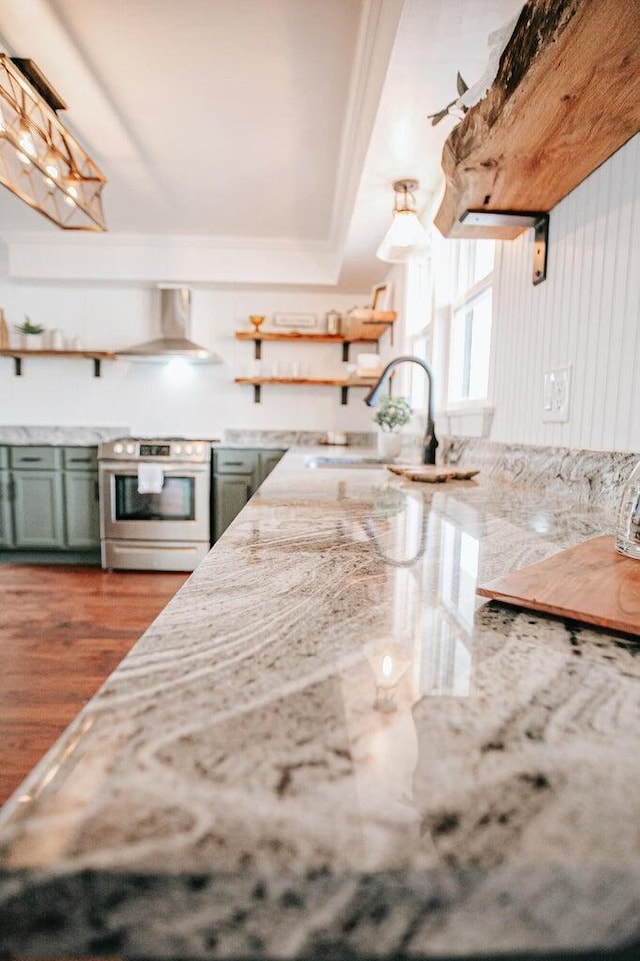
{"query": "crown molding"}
pixel 205 242
pixel 377 32
pixel 145 258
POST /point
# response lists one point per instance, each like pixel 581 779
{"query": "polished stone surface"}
pixel 590 476
pixel 289 438
pixel 327 747
pixel 59 436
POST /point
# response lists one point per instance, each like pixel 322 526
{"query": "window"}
pixel 418 328
pixel 447 309
pixel 470 333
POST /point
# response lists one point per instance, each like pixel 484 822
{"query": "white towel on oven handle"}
pixel 150 478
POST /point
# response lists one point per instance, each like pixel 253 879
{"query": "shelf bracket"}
pixel 257 352
pixel 345 352
pixel 17 366
pixel 344 396
pixel 256 393
pixel 97 372
pixel 513 218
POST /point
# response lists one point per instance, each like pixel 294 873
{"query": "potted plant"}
pixel 392 413
pixel 30 335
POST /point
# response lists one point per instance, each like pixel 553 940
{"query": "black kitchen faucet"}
pixel 430 441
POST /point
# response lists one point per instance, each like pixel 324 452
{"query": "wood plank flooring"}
pixel 62 632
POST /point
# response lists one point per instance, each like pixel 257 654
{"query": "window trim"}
pixel 466 405
pixel 478 288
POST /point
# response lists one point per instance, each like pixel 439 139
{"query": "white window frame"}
pixel 466 416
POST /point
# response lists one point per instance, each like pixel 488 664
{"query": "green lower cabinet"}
pixel 6 513
pixel 267 460
pixel 82 513
pixel 230 493
pixel 237 474
pixel 37 508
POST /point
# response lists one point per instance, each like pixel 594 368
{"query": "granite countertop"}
pixel 327 746
pixel 16 435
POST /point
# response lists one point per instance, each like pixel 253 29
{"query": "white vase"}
pixel 389 444
pixel 30 341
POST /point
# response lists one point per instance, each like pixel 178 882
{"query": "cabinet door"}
pixel 82 514
pixel 231 493
pixel 38 513
pixel 268 460
pixel 6 523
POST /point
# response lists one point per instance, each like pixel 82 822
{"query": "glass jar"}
pixel 334 322
pixel 628 530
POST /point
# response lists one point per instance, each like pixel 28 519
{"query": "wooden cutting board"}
pixel 590 583
pixel 428 474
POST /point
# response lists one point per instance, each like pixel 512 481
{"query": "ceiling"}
pixel 252 123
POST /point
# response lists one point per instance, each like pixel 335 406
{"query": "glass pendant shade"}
pixel 40 161
pixel 406 238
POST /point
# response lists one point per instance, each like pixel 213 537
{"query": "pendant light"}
pixel 40 161
pixel 406 238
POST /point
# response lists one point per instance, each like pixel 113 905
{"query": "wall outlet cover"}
pixel 556 395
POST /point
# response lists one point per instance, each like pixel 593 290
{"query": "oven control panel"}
pixel 156 449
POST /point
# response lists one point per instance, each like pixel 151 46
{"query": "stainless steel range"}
pixel 154 503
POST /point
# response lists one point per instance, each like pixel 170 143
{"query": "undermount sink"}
pixel 347 461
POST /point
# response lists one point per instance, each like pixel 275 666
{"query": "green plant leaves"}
pixel 462 88
pixel 392 412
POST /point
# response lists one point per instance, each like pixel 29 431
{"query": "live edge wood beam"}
pixel 566 97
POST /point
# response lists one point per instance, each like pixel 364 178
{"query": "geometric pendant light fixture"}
pixel 40 161
pixel 406 238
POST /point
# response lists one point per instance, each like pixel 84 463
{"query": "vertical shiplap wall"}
pixel 587 314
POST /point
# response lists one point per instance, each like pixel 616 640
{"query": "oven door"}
pixel 179 512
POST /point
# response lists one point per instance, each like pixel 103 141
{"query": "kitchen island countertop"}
pixel 327 746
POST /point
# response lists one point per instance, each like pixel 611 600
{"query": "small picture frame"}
pixel 295 321
pixel 380 296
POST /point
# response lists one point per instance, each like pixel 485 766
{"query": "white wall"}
pixel 143 397
pixel 587 313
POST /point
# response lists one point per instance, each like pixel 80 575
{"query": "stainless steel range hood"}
pixel 175 328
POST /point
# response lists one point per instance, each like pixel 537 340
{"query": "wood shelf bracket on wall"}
pixel 498 219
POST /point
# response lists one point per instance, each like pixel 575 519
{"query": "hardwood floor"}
pixel 62 631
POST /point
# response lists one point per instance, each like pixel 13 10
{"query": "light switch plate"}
pixel 556 394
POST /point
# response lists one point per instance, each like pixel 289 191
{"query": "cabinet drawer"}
pixel 4 457
pixel 235 461
pixel 80 458
pixel 35 458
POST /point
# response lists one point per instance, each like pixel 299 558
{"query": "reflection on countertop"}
pixel 328 745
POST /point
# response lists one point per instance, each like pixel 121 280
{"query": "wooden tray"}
pixel 432 475
pixel 590 583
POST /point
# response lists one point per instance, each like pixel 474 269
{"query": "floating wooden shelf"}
pixel 360 332
pixel 292 336
pixel 368 327
pixel 343 383
pixel 364 315
pixel 566 97
pixel 313 381
pixel 97 356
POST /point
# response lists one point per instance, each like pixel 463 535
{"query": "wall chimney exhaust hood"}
pixel 175 329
